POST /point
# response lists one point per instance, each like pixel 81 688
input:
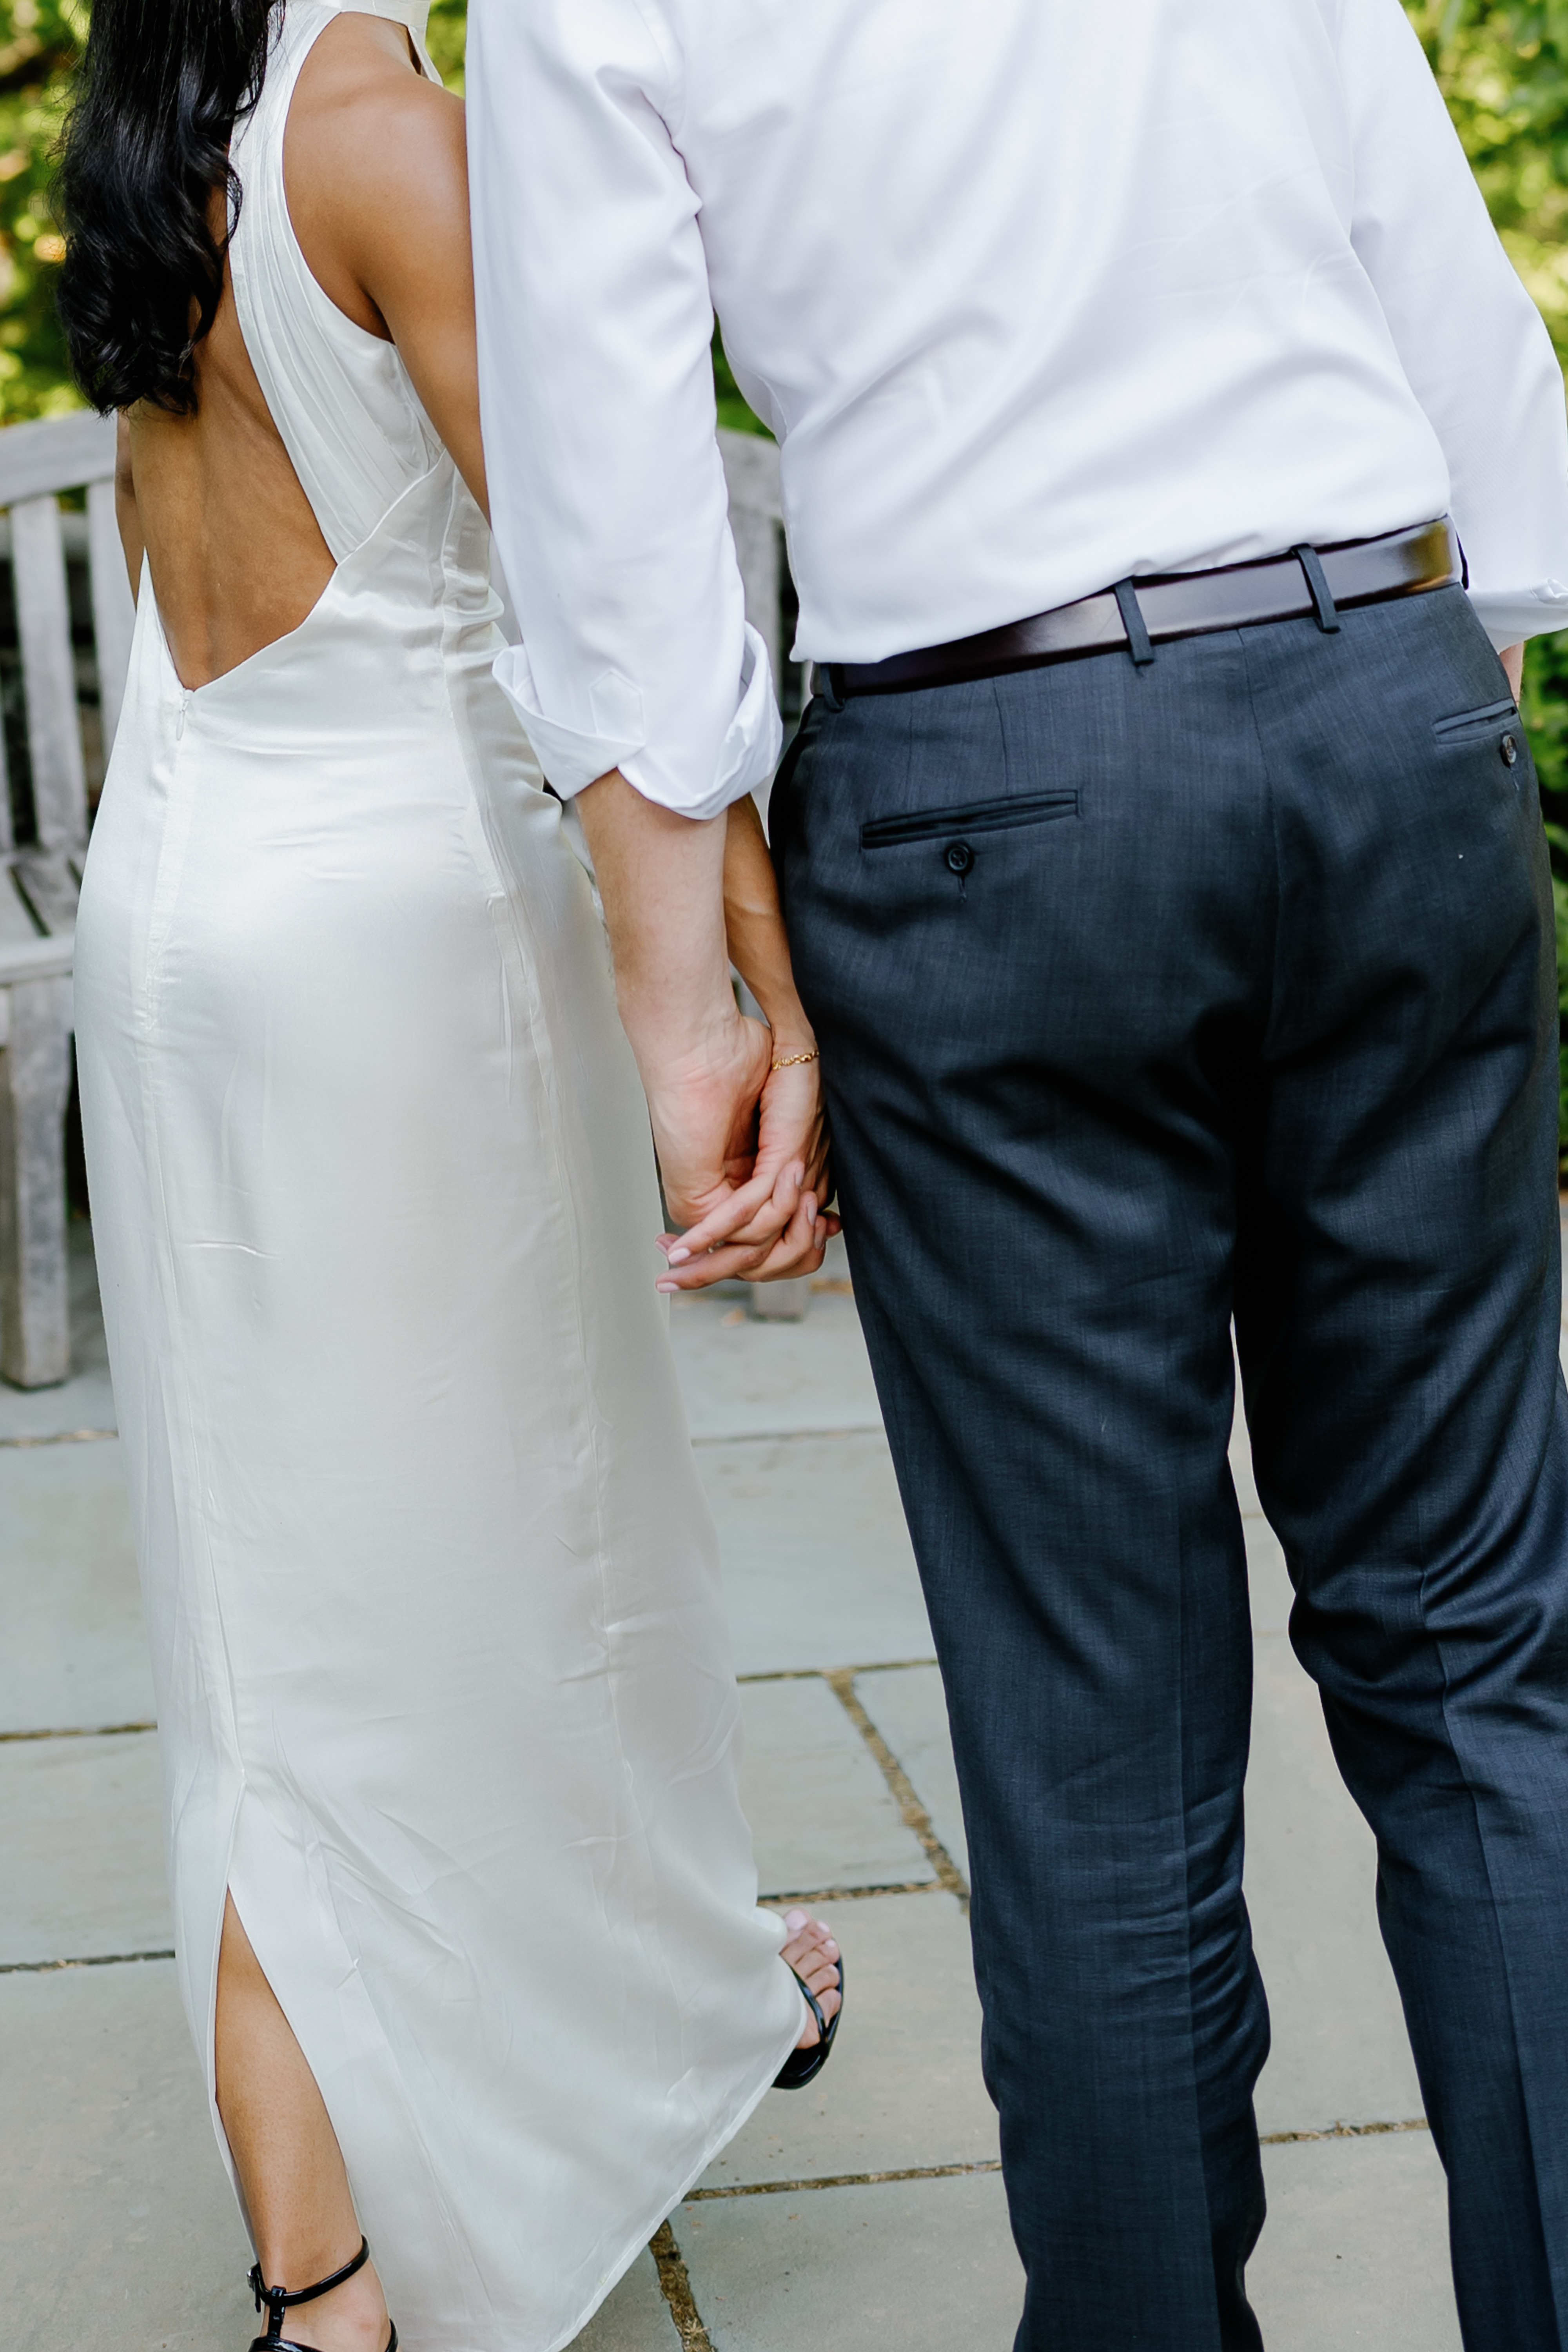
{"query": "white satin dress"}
pixel 444 1684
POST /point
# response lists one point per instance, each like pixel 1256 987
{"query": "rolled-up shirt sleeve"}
pixel 1472 343
pixel 607 486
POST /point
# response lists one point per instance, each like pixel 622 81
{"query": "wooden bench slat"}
pixel 113 611
pixel 57 453
pixel 36 959
pixel 49 676
pixel 34 1082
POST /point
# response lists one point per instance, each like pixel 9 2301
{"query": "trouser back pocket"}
pixel 968 817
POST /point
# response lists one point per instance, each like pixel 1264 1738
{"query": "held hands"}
pixel 742 1149
pixel 742 1145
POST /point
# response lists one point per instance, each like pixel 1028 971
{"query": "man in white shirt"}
pixel 1164 875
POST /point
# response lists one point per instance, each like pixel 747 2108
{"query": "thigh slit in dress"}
pixel 444 1684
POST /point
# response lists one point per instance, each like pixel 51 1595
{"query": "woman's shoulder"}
pixel 363 110
pixel 374 154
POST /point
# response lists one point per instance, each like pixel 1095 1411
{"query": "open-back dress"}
pixel 443 1686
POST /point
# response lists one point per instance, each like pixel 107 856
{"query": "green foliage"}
pixel 448 19
pixel 38 40
pixel 733 409
pixel 1503 67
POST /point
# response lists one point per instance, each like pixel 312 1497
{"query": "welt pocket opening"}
pixel 1466 723
pixel 970 816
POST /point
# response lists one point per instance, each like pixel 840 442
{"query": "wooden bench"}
pixel 39 878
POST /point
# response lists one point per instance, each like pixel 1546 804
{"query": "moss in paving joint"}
pixel 1343 2131
pixel 846 2180
pixel 841 1683
pixel 678 2294
pixel 89 1960
pixel 80 1731
pixel 860 1894
pixel 826 1674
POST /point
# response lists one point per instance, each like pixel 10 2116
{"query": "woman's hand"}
pixel 764 1219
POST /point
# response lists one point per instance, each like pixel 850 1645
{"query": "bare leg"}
pixel 287 2154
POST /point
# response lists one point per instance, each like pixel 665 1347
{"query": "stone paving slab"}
pixel 910 1711
pixel 119 2231
pixel 903 2086
pixel 821 1813
pixel 1340 2052
pixel 818 1570
pixel 898 2266
pixel 1356 2249
pixel 1269 1578
pixel 742 1377
pixel 73 1652
pixel 1241 1458
pixel 634 2318
pixel 122 2235
pixel 81 1849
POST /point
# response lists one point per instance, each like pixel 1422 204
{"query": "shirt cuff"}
pixel 1510 616
pixel 571 760
pixel 574 758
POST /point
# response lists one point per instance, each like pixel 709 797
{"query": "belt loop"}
pixel 1127 604
pixel 827 680
pixel 1323 603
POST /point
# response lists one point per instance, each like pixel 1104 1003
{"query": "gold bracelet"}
pixel 792 1061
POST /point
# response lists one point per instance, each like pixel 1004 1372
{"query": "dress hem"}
pixel 661 2213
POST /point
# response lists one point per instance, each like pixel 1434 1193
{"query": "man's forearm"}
pixel 1513 665
pixel 661 877
pixel 741 1151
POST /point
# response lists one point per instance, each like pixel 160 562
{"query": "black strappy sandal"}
pixel 277 2303
pixel 803 2066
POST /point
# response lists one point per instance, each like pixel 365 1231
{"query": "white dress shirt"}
pixel 1035 295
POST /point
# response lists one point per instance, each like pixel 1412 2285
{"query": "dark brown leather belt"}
pixel 1138 614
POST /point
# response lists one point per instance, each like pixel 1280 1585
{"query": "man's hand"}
pixel 741 1179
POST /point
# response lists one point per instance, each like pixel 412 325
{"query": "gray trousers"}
pixel 1150 998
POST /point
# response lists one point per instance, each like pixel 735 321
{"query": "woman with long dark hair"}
pixel 464 1902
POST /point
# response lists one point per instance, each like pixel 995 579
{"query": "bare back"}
pixel 237 555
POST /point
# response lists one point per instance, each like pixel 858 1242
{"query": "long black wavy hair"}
pixel 159 89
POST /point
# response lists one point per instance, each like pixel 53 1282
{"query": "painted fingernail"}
pixel 679 1254
pixel 667 1287
pixel 796 1919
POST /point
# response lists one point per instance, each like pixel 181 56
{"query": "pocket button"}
pixel 959 856
pixel 1508 750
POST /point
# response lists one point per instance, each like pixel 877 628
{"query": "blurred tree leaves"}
pixel 445 40
pixel 1503 67
pixel 39 38
pixel 39 42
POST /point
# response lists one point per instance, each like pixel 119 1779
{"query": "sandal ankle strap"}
pixel 276 2300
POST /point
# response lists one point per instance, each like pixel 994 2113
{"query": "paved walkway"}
pixel 864 2215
